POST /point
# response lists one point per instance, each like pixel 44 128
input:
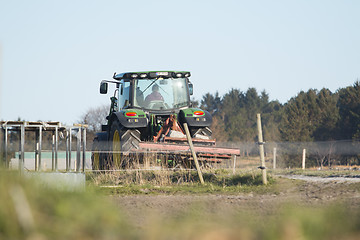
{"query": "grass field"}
pixel 174 206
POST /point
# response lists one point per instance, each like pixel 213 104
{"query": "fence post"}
pixel 78 150
pixel 36 156
pixel 56 147
pixel 234 166
pixel 274 158
pixel 303 158
pixel 22 149
pixel 40 148
pixel 5 147
pixel 70 143
pixel 67 151
pixel 83 147
pixel 193 153
pixel 53 152
pixel 261 149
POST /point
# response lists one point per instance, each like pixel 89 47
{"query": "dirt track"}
pixel 286 191
pixel 324 179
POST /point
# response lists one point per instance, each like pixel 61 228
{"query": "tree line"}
pixel 315 115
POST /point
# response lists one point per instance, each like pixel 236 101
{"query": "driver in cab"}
pixel 155 95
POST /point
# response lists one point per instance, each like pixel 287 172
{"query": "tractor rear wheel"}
pixel 98 154
pixel 122 140
pixel 95 156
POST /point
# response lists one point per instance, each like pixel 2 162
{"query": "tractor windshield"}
pixel 161 94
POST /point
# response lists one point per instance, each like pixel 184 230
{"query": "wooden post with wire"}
pixel 234 161
pixel 261 149
pixel 274 158
pixel 193 153
pixel 303 158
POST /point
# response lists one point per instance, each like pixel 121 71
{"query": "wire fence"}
pixel 279 155
pixel 20 140
pixel 291 154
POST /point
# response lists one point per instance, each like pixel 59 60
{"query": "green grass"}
pixel 180 182
pixel 29 211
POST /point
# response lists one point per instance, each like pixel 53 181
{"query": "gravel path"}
pixel 323 179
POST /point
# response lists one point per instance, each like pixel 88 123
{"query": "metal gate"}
pixel 20 128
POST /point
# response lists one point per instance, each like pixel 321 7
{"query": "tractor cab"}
pixel 154 105
pixel 151 112
pixel 151 91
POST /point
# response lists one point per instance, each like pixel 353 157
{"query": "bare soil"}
pixel 307 192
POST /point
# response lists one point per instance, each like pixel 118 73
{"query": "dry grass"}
pixel 139 177
pixel 180 182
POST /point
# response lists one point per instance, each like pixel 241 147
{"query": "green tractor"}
pixel 147 114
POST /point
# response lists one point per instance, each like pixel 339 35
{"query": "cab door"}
pixel 124 95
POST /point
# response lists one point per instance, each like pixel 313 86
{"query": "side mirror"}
pixel 191 89
pixel 103 87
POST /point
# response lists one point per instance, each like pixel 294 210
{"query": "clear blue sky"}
pixel 54 53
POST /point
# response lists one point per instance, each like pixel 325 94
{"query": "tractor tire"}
pixel 130 139
pixel 122 140
pixel 96 161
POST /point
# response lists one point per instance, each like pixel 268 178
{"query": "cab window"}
pixel 124 93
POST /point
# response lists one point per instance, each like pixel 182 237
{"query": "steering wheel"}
pixel 157 104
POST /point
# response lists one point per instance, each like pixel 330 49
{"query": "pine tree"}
pixel 349 111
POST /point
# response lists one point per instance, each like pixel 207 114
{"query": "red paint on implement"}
pixel 195 140
pixel 184 148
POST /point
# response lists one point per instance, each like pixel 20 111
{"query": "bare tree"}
pixel 95 117
pixel 324 151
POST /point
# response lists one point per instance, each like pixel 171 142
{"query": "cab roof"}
pixel 151 75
